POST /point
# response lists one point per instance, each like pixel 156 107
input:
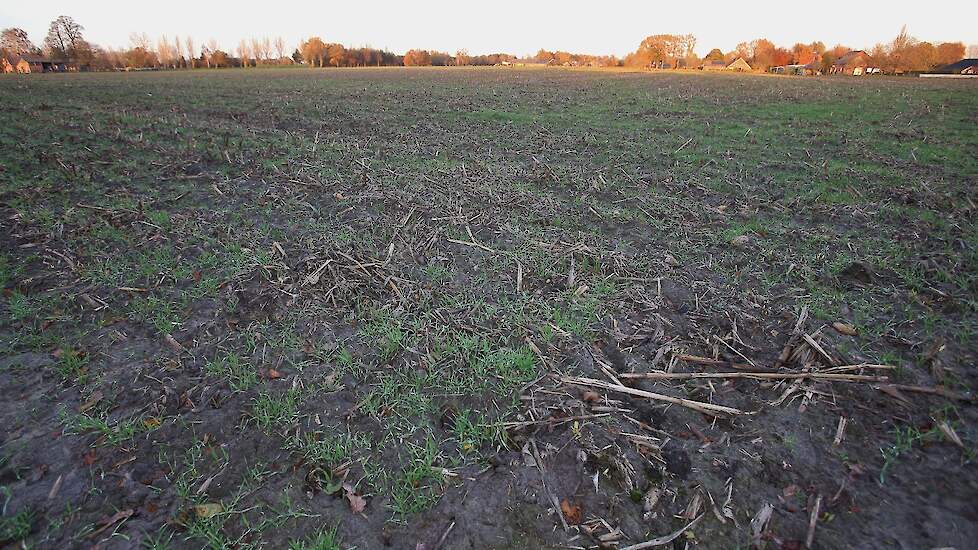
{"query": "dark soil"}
pixel 238 304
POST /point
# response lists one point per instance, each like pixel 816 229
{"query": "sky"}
pixel 516 27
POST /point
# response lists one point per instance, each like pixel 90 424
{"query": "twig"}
pixel 543 479
pixel 812 521
pixel 840 432
pixel 795 334
pixel 666 539
pixel 555 421
pixel 706 408
pixel 441 541
pixel 683 146
pixel 754 375
pixel 477 245
pixel 717 363
pixel 929 390
pixel 815 345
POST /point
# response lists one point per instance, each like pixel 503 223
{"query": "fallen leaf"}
pixel 357 502
pixel 740 240
pixel 590 396
pixel 843 328
pixel 172 342
pixel 572 512
pixel 208 510
pixel 89 457
pixel 92 401
pixel 108 522
pixel 271 374
pixel 952 435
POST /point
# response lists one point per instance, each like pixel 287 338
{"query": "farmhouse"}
pixel 720 65
pixel 35 64
pixel 739 65
pixel 965 66
pixel 714 65
pixel 811 69
pixel 855 63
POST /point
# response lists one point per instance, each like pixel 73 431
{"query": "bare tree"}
pixel 244 52
pixel 973 51
pixel 280 47
pixel 191 53
pixel 165 51
pixel 256 50
pixel 140 40
pixel 208 51
pixel 178 50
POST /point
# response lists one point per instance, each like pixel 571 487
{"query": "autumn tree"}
pixel 714 55
pixel 973 51
pixel 220 59
pixel 462 58
pixel 313 51
pixel 15 41
pixel 763 54
pixel 803 54
pixel 898 51
pixel 830 56
pixel 65 39
pixel 442 59
pixel 661 49
pixel 139 58
pixel 949 52
pixel 336 55
pixel 417 58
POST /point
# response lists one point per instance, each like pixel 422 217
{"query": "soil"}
pixel 386 177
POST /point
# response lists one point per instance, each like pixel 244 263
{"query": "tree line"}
pixel 903 54
pixel 65 41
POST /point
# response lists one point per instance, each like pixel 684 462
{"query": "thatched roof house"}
pixel 739 65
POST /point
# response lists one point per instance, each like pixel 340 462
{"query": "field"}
pixel 412 308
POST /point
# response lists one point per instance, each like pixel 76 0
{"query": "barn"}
pixel 714 65
pixel 36 64
pixel 965 66
pixel 855 63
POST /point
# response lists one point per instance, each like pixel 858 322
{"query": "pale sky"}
pixel 516 27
